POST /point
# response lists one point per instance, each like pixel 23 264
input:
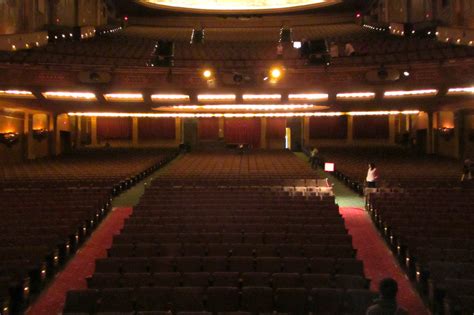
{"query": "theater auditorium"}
pixel 185 157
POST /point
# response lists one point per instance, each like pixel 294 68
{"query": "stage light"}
pixel 125 18
pixel 406 73
pixel 358 15
pixel 243 115
pixel 124 97
pixel 70 96
pixel 16 94
pixel 261 97
pixel 207 73
pixel 357 95
pixel 216 97
pixel 428 92
pixel 275 73
pixel 461 90
pixel 296 44
pixel 169 97
pixel 308 97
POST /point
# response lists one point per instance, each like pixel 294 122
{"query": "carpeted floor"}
pixel 51 301
pixel 378 260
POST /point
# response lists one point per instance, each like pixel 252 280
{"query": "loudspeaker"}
pixel 96 77
pixel 285 35
pixel 197 37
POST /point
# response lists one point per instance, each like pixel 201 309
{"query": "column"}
pixel 134 131
pixel 263 132
pixel 55 144
pixel 459 133
pixel 350 129
pixel 429 134
pixel 78 131
pixel 391 129
pixel 28 136
pixel 178 131
pixel 221 127
pixel 94 131
pixel 305 131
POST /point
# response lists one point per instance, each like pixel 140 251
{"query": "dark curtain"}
pixel 371 127
pixel 208 128
pixel 114 128
pixel 156 128
pixel 332 127
pixel 242 130
pixel 276 128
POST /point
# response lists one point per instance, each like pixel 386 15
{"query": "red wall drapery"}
pixel 114 128
pixel 156 128
pixel 242 130
pixel 328 127
pixel 208 128
pixel 371 127
pixel 276 128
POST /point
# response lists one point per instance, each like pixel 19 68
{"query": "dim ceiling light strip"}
pixel 411 93
pixel 213 97
pixel 16 93
pixel 245 107
pixel 461 90
pixel 308 97
pixel 169 97
pixel 62 95
pixel 252 97
pixel 237 115
pixel 355 95
pixel 124 97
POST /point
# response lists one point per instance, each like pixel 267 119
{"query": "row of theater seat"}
pixel 42 225
pixel 226 279
pixel 396 166
pixel 431 233
pixel 234 264
pixel 198 238
pixel 217 300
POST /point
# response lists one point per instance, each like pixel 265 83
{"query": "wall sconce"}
pixel 446 133
pixel 40 134
pixel 9 138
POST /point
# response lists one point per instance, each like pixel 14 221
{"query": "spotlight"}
pixel 275 73
pixel 358 15
pixel 207 74
pixel 125 18
pixel 406 73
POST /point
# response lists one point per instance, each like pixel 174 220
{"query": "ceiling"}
pixel 146 8
pixel 237 6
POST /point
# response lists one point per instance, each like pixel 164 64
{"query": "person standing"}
pixel 313 159
pixel 372 176
pixel 387 302
pixel 466 171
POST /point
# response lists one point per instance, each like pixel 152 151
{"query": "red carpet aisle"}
pixel 378 260
pixel 81 266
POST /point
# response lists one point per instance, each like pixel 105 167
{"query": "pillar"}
pixel 55 142
pixel 78 131
pixel 178 131
pixel 391 129
pixel 263 132
pixel 134 131
pixel 28 136
pixel 350 129
pixel 305 131
pixel 221 127
pixel 94 131
pixel 459 133
pixel 430 134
